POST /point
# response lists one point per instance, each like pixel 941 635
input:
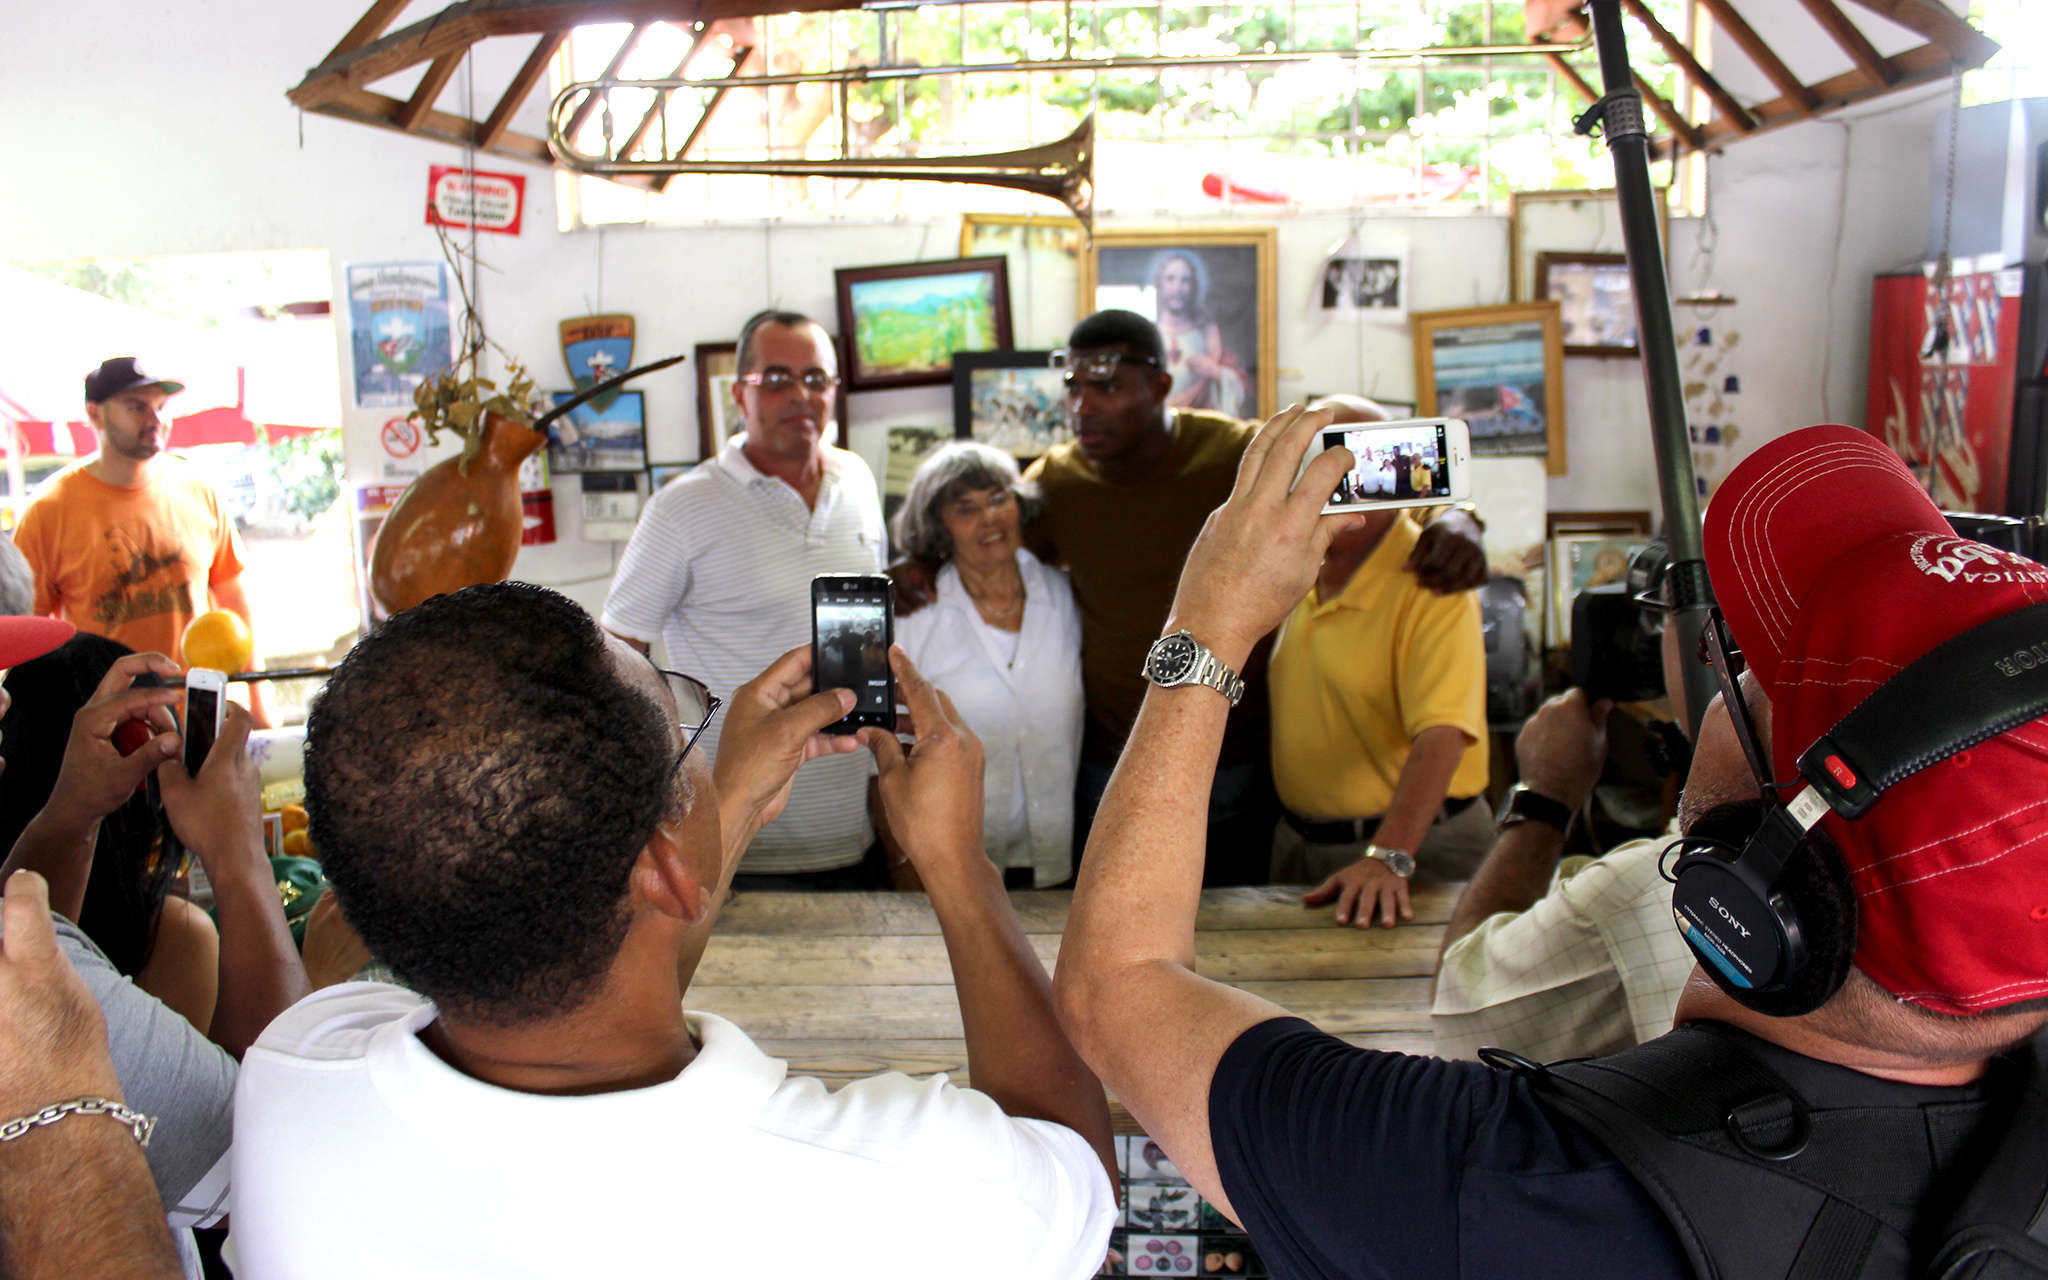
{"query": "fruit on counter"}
pixel 219 640
pixel 130 736
pixel 298 844
pixel 294 816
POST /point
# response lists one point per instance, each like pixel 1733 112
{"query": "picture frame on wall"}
pixel 1571 221
pixel 903 323
pixel 1596 301
pixel 984 234
pixel 719 417
pixel 1213 296
pixel 1580 560
pixel 1499 368
pixel 1012 400
pixel 588 438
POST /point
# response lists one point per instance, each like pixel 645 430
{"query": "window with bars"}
pixel 1312 126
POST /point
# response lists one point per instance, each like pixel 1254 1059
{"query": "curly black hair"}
pixel 480 779
pixel 1113 328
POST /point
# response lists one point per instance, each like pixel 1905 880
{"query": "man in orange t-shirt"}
pixel 131 543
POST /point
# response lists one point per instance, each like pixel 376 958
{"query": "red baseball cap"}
pixel 1835 571
pixel 22 638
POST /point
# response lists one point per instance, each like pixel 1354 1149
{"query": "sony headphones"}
pixel 1775 923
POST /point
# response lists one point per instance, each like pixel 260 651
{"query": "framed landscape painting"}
pixel 903 323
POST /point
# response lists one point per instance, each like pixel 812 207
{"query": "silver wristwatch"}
pixel 1399 861
pixel 1181 659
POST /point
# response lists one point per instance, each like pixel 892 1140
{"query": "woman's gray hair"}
pixel 955 469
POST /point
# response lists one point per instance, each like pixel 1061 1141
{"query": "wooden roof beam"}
pixel 368 27
pixel 461 25
pixel 1932 19
pixel 1805 101
pixel 1572 77
pixel 430 86
pixel 581 115
pixel 1926 64
pixel 1853 42
pixel 530 72
pixel 1673 118
pixel 1675 49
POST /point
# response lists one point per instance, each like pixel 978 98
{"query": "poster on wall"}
pixel 399 329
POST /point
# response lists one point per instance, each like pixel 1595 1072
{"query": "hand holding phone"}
pixel 1420 462
pixel 852 626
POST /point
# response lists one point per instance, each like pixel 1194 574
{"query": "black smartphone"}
pixel 853 623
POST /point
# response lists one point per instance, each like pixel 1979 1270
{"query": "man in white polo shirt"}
pixel 514 818
pixel 720 570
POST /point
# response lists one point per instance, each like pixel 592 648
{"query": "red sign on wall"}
pixel 457 196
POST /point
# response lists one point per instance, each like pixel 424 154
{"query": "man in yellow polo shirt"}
pixel 1379 730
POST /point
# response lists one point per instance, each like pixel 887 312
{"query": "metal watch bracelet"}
pixel 138 1124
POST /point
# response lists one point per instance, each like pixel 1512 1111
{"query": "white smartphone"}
pixel 1420 462
pixel 205 696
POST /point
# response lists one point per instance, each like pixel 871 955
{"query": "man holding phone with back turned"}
pixel 720 568
pixel 1379 720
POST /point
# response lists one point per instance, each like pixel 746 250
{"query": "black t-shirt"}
pixel 1345 1162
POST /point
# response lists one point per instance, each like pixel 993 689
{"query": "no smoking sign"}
pixel 401 438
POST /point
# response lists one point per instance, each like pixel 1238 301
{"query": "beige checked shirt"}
pixel 1594 967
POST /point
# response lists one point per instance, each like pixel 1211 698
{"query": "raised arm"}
pixel 773 724
pixel 76 1196
pixel 1016 1052
pixel 218 816
pixel 1559 753
pixel 96 778
pixel 1128 993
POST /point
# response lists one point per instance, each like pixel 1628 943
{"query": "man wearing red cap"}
pixel 1855 1111
pixel 131 543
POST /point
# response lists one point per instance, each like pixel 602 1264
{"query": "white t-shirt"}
pixel 719 569
pixel 359 1153
pixel 1023 701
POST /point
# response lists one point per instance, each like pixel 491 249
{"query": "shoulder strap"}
pixel 2000 1227
pixel 1719 1142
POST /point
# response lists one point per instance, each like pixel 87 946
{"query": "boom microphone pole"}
pixel 1620 113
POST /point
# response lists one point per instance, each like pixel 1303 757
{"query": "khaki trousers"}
pixel 1452 850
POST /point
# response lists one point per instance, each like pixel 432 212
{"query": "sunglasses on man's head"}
pixel 1098 367
pixel 780 380
pixel 1718 649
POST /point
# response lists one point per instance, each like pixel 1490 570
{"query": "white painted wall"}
pixel 151 127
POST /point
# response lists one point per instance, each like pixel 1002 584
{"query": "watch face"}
pixel 1172 660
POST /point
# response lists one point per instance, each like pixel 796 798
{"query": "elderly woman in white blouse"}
pixel 1003 640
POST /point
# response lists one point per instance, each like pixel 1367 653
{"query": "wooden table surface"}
pixel 844 985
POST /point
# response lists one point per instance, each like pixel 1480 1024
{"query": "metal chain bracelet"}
pixel 140 1125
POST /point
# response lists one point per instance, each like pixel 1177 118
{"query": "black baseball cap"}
pixel 123 373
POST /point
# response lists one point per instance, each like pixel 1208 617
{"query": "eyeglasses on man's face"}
pixel 777 380
pixel 695 705
pixel 1098 367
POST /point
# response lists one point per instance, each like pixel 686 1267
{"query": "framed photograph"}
pixel 660 473
pixel 588 438
pixel 983 234
pixel 903 323
pixel 1565 222
pixel 1212 294
pixel 1501 369
pixel 1360 284
pixel 1578 561
pixel 1012 400
pixel 719 417
pixel 1596 301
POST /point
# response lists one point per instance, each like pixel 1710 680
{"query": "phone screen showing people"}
pixel 1406 462
pixel 203 693
pixel 851 629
